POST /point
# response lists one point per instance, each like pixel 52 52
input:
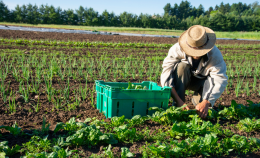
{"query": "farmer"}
pixel 195 63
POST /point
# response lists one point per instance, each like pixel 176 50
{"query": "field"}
pixel 48 99
pixel 254 35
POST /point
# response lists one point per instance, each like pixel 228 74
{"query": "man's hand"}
pixel 202 108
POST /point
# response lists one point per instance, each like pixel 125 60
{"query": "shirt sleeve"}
pixel 218 82
pixel 175 55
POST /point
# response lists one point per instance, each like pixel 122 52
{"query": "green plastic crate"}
pixel 112 100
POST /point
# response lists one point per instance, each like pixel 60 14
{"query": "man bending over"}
pixel 195 63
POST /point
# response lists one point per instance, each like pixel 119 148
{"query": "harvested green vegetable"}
pixel 137 87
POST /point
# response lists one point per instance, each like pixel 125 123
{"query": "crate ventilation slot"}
pixel 133 110
pixel 147 108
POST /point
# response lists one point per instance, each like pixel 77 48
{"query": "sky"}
pixel 119 6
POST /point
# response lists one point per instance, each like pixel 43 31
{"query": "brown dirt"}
pixel 104 38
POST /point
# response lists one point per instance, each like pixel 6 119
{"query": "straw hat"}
pixel 197 40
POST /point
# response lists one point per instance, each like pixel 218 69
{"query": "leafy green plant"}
pixel 37 144
pixel 171 115
pixel 7 150
pixel 126 153
pixel 126 135
pixel 90 136
pixel 249 125
pixel 45 127
pixel 235 111
pixel 14 130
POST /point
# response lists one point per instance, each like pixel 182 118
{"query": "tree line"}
pixel 223 17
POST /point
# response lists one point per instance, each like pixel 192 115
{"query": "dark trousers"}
pixel 184 80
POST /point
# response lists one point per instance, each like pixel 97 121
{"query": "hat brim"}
pixel 201 51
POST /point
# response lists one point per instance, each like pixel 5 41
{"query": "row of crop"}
pixel 230 56
pixel 37 76
pixel 198 137
pixel 246 68
pixel 84 43
pixel 246 59
pixel 110 44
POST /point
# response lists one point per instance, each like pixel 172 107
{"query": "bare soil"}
pixel 105 38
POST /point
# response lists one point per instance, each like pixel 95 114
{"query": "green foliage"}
pixel 90 136
pixel 248 125
pixel 196 127
pixel 137 87
pixel 7 150
pixel 45 127
pixel 57 153
pixel 37 144
pixel 236 111
pixel 126 135
pixel 109 154
pixel 117 121
pixel 126 153
pixel 71 126
pixel 171 115
pixel 14 130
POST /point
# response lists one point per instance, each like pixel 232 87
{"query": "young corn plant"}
pixel 35 86
pixel 45 127
pixel 25 93
pixel 247 89
pixel 259 90
pixel 238 86
pixel 38 72
pixel 62 73
pixel 37 106
pixel 77 99
pixel 49 89
pixel 15 74
pixel 83 91
pixel 12 105
pixel 58 103
pixel 254 83
pixel 92 92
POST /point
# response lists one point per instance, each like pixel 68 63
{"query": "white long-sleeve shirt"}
pixel 212 66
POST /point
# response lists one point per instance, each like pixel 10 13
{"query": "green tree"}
pixel 200 10
pixel 217 22
pixel 239 7
pixel 24 13
pixel 174 10
pixel 221 8
pixel 70 17
pixel 216 7
pixel 126 19
pixel 18 14
pixel 209 10
pixel 32 15
pixel 105 18
pixel 91 17
pixel 4 12
pixel 80 14
pixel 44 11
pixel 184 10
pixel 167 9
